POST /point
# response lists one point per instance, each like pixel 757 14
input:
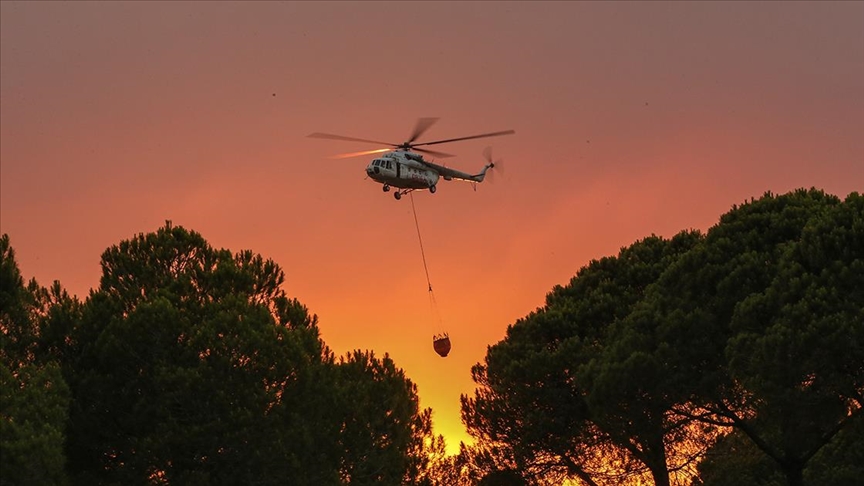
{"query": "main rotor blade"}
pixel 330 136
pixel 358 154
pixel 440 155
pixel 484 135
pixel 423 124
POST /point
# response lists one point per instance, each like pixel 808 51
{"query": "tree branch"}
pixel 705 417
pixel 743 426
pixel 830 435
pixel 579 472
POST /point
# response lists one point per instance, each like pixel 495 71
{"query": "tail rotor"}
pixel 494 166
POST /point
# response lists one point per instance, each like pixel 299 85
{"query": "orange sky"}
pixel 631 119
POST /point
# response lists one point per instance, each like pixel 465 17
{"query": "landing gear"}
pixel 398 194
pixel 386 187
pixel 433 188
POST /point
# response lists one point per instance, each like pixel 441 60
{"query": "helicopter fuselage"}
pixel 403 170
pixel 408 171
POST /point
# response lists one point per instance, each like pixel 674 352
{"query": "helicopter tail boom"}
pixel 449 174
pixel 482 175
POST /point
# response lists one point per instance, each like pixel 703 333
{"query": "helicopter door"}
pixel 398 170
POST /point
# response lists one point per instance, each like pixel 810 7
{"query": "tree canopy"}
pixel 733 356
pixel 645 359
pixel 34 397
pixel 190 364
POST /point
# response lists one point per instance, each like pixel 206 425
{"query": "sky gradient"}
pixel 631 119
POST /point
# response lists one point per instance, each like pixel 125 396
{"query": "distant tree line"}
pixel 733 357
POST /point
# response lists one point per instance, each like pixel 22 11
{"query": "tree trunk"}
pixel 794 474
pixel 660 475
pixel 657 465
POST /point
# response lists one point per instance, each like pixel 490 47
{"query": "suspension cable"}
pixel 422 253
pixel 433 304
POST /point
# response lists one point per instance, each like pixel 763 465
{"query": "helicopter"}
pixel 403 166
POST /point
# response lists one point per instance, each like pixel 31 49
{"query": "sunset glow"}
pixel 631 119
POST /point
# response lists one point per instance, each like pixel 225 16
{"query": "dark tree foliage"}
pixel 190 365
pixel 33 412
pixel 695 300
pixel 34 398
pixel 741 350
pixel 766 326
pixel 736 461
pixel 476 463
pixel 379 448
pixel 798 348
pixel 17 311
pixel 841 461
pixel 536 403
pixel 184 356
pixel 756 328
pixel 504 477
